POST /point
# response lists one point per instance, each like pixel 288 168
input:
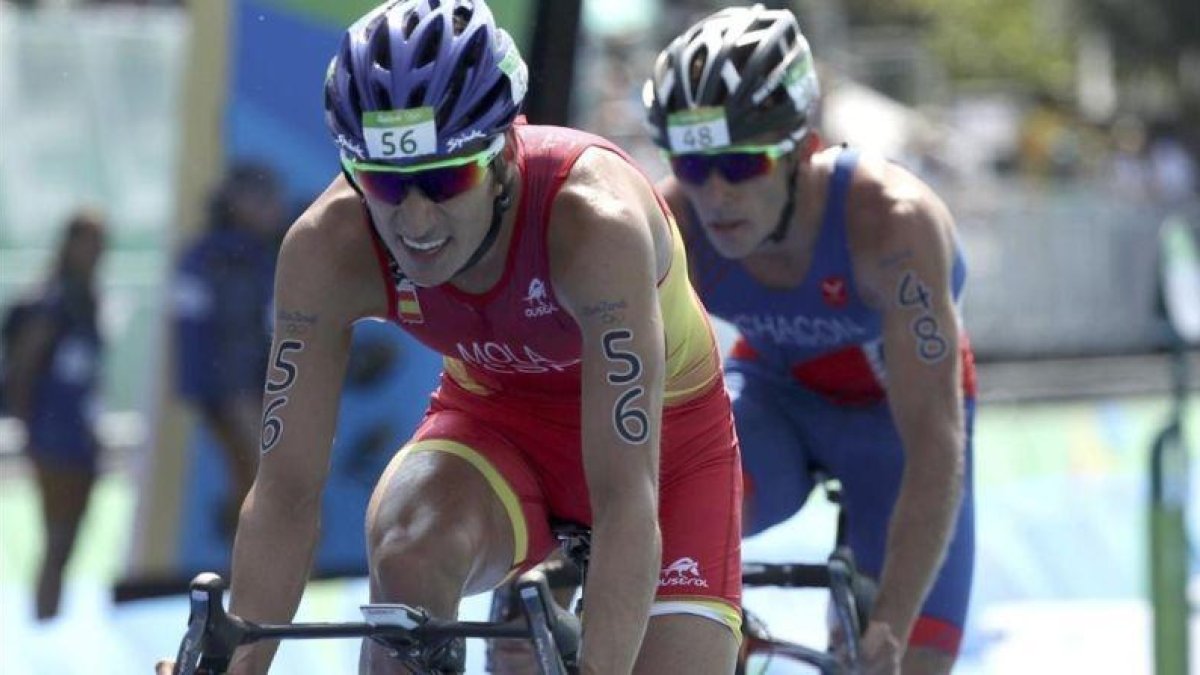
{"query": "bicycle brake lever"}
pixel 212 635
pixel 554 630
pixel 841 577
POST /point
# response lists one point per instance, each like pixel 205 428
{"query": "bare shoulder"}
pixel 895 220
pixel 606 202
pixel 677 201
pixel 327 256
pixel 605 186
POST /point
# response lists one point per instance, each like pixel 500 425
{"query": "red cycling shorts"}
pixel 530 453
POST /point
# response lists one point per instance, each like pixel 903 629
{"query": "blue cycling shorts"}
pixel 784 430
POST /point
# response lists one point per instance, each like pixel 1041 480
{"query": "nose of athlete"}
pixel 416 216
pixel 716 192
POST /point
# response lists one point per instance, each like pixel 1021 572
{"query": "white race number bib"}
pixel 400 134
pixel 698 130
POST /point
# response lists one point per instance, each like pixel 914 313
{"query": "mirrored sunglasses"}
pixel 438 181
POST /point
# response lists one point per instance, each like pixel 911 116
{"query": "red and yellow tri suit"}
pixel 509 401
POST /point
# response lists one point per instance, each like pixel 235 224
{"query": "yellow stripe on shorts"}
pixel 717 610
pixel 512 504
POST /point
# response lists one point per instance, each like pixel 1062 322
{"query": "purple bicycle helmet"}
pixel 439 74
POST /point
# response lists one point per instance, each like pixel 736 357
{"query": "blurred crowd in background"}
pixel 1083 114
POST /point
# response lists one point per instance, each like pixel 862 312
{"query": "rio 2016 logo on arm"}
pixel 629 420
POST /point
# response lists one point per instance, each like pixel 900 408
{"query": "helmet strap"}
pixel 789 208
pixel 499 208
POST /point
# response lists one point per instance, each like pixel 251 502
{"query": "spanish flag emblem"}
pixel 408 306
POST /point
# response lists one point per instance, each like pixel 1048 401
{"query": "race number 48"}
pixel 698 130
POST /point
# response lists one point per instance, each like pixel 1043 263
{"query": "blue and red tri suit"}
pixel 808 380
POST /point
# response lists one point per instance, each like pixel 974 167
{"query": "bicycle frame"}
pixel 850 596
pixel 410 632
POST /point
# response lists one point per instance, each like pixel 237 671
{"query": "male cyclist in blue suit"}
pixel 841 273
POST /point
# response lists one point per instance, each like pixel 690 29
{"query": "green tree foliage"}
pixel 1029 41
pixel 1148 32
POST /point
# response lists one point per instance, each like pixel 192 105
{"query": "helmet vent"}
pixel 355 102
pixel 462 16
pixel 740 55
pixel 381 48
pixel 428 50
pixel 696 67
pixel 446 106
pixel 381 97
pixel 474 52
pixel 790 38
pixel 500 88
pixel 417 97
pixel 410 24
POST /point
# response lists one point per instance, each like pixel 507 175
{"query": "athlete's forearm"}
pixel 919 533
pixel 271 558
pixel 622 580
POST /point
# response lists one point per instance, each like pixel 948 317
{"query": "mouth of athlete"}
pixel 728 225
pixel 424 247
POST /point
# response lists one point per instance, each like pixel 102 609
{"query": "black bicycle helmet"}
pixel 752 62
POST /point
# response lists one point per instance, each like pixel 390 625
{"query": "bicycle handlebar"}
pixel 785 575
pixel 213 634
pixel 852 595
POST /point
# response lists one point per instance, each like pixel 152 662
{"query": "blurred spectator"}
pixel 1129 167
pixel 1172 167
pixel 1049 142
pixel 612 102
pixel 52 351
pixel 222 297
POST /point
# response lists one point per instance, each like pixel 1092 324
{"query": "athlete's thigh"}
pixel 682 643
pixel 700 584
pixel 460 487
pixel 774 459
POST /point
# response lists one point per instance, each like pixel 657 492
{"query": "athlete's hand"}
pixel 881 650
pixel 164 667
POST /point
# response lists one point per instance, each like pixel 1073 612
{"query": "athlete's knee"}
pixel 419 540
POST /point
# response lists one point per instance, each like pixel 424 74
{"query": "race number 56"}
pixel 278 382
pixel 629 420
pixel 400 134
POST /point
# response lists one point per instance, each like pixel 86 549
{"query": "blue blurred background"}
pixel 1063 134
